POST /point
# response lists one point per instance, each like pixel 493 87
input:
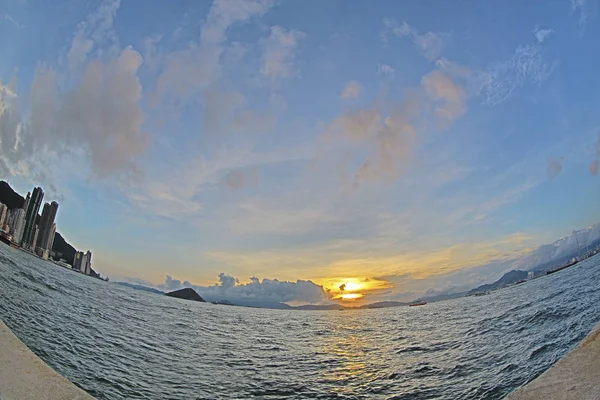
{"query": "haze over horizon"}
pixel 286 148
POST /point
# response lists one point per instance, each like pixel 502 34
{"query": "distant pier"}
pixel 575 376
pixel 24 376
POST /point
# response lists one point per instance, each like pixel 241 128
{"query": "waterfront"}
pixel 118 343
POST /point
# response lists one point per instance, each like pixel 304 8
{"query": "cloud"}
pixel 92 115
pixel 279 53
pixel 187 71
pixel 450 98
pixel 388 134
pixel 16 24
pixel 430 44
pixel 554 168
pixel 94 31
pixel 351 90
pixel 386 70
pixel 542 34
pixel 527 65
pixel 581 7
pixel 256 291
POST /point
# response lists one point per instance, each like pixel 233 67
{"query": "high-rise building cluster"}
pixel 24 227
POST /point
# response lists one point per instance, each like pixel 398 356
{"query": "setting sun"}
pixel 351 296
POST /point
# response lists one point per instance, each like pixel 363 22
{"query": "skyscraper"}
pixel 46 222
pixel 51 239
pixel 3 215
pixel 26 202
pixel 36 234
pixel 88 262
pixel 18 225
pixel 33 207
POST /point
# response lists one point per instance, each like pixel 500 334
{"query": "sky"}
pixel 281 149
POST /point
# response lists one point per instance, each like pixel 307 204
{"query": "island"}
pixel 186 294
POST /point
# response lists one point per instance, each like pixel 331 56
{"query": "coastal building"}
pixel 26 202
pixel 18 225
pixel 88 262
pixel 3 214
pixel 83 266
pixel 33 207
pixel 51 238
pixel 36 231
pixel 46 223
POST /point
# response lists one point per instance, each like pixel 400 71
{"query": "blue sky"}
pixel 308 140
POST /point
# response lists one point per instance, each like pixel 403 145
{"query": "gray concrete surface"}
pixel 576 376
pixel 23 375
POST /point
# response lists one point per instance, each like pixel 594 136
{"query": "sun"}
pixel 351 296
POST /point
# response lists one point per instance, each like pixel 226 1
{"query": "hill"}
pixel 186 294
pixel 509 278
pixel 9 197
pixel 140 287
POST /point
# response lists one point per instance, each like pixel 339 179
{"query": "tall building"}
pixel 51 239
pixel 33 207
pixel 77 261
pixel 88 262
pixel 18 225
pixel 26 202
pixel 83 265
pixel 3 214
pixel 46 222
pixel 36 234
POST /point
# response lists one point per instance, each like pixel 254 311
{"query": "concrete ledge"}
pixel 575 376
pixel 23 375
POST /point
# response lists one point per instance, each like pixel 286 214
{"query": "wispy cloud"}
pixel 16 24
pixel 542 34
pixel 351 90
pixel 386 70
pixel 279 53
pixel 430 44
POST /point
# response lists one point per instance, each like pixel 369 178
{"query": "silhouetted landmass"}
pixel 9 197
pixel 65 249
pixel 320 307
pixel 508 278
pixel 223 302
pixel 140 287
pixel 442 297
pixel 186 294
pixel 384 304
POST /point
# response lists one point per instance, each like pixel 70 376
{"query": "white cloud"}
pixel 386 70
pixel 96 30
pixel 542 34
pixel 430 44
pixel 581 7
pixel 254 292
pixel 93 114
pixel 501 80
pixel 17 24
pixel 194 68
pixel 351 90
pixel 278 60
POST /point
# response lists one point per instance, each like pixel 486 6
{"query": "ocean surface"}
pixel 119 343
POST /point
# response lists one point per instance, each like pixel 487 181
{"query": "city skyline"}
pixel 227 142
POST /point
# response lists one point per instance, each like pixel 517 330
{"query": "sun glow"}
pixel 353 289
pixel 351 296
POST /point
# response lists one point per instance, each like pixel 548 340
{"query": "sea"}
pixel 119 343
